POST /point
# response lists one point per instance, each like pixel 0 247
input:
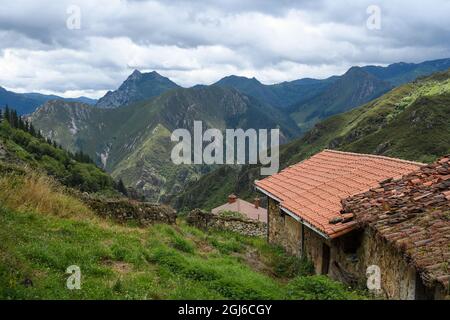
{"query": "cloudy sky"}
pixel 43 50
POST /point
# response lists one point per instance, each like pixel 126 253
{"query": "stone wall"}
pixel 398 276
pixel 398 279
pixel 314 248
pixel 283 230
pixel 289 233
pixel 350 255
pixel 206 220
pixel 123 210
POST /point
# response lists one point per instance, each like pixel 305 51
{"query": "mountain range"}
pixel 26 103
pixel 308 101
pixel 128 131
pixel 290 95
pixel 133 142
pixel 297 92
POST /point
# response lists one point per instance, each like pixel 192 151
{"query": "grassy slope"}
pixel 40 239
pixel 410 122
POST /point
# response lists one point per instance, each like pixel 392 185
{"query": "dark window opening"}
pixel 422 291
pixel 351 242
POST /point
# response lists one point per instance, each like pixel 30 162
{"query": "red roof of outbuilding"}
pixel 313 189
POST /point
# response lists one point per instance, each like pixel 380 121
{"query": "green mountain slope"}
pixel 133 142
pixel 410 122
pixel 137 87
pixel 281 95
pixel 309 101
pixel 353 89
pixel 20 148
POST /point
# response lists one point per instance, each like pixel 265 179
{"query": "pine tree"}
pixel 121 188
pixel 21 124
pixel 7 114
pixel 14 119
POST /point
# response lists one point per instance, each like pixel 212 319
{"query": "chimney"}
pixel 257 203
pixel 232 198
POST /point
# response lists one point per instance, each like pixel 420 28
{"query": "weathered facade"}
pixel 348 258
pixel 381 230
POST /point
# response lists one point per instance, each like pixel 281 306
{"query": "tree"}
pixel 14 119
pixel 121 188
pixel 7 114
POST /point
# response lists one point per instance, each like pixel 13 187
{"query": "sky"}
pixel 85 47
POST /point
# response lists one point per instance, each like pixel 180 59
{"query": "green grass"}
pixel 159 262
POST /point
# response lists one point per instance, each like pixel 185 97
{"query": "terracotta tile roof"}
pixel 246 208
pixel 413 214
pixel 313 189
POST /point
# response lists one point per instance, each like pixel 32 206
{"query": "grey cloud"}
pixel 200 41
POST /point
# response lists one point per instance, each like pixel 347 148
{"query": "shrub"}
pixel 318 288
pixel 290 266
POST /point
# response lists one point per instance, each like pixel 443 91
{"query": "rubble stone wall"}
pixel 398 279
pixel 206 220
pixel 126 210
pixel 314 248
pixel 283 230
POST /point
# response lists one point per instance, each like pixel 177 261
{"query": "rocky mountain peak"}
pixel 136 75
pixel 137 87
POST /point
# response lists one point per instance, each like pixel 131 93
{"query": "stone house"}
pixel 339 210
pixel 252 211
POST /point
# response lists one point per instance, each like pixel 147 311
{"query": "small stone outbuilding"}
pixel 252 211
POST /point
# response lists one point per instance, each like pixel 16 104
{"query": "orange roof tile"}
pixel 313 189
